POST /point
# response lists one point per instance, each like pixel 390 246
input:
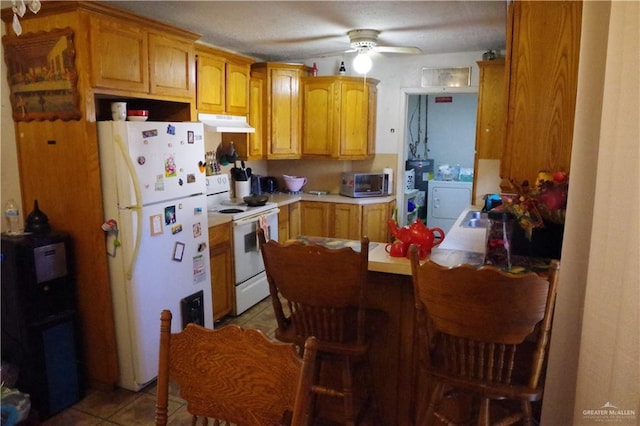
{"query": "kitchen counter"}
pixel 464 239
pixel 284 199
pixel 215 219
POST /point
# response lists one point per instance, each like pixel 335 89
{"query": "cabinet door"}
pixel 284 134
pixel 375 218
pixel 319 113
pixel 171 67
pixel 490 118
pixel 314 218
pixel 373 113
pixel 119 55
pixel 283 224
pixel 543 46
pixel 294 220
pixel 211 83
pixel 221 262
pixel 237 88
pixel 345 221
pixel 256 119
pixel 354 122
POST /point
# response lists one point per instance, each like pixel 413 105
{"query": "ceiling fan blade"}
pixel 341 52
pixel 397 49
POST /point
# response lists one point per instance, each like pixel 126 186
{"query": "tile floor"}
pixel 126 408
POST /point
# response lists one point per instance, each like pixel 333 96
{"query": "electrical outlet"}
pixel 193 309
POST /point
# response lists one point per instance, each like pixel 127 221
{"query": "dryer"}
pixel 446 201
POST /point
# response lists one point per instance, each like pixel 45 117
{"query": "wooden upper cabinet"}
pixel 119 55
pixel 490 117
pixel 543 46
pixel 338 117
pixel 223 82
pixel 127 56
pixel 171 66
pixel 211 83
pixel 255 150
pixel 355 116
pixel 320 108
pixel 282 106
pixel 250 146
pixel 238 76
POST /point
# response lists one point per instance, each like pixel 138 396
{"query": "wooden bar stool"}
pixel 485 332
pixel 320 292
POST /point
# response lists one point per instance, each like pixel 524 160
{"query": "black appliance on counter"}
pixel 39 319
pixel 424 170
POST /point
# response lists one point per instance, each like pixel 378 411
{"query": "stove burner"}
pixel 230 211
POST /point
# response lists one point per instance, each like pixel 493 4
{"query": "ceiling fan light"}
pixel 362 63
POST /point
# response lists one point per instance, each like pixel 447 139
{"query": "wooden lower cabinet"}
pixel 346 221
pixel 375 218
pixel 294 220
pixel 342 220
pixel 314 218
pixel 288 222
pixel 221 262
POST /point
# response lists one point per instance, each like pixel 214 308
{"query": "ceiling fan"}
pixel 366 40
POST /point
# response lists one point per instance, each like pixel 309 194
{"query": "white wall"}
pixel 451 129
pixel 594 359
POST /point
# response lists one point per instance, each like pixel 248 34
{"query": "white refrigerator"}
pixel 154 189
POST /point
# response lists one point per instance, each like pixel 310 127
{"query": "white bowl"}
pixel 294 183
pixel 137 118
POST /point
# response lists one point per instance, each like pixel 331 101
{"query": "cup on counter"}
pixel 243 189
pixel 119 111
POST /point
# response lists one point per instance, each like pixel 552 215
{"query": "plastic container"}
pixel 455 174
pixel 12 218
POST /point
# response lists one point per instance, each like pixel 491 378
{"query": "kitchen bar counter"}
pixel 392 349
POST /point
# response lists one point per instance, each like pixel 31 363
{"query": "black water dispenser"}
pixel 39 319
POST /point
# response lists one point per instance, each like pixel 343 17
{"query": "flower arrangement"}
pixel 546 202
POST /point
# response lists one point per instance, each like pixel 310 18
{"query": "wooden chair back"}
pixel 233 375
pixel 483 329
pixel 322 291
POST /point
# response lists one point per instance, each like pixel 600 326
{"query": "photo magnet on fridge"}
pixel 178 251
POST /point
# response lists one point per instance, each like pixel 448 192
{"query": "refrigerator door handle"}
pixel 136 207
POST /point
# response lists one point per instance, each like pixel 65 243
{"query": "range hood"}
pixel 225 123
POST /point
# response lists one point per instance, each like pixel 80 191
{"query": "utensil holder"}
pixel 242 189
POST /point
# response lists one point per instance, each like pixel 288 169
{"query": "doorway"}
pixel 439 125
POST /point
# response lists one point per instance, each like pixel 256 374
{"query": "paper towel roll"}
pixel 389 172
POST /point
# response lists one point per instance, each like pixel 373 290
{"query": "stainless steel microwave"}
pixel 358 185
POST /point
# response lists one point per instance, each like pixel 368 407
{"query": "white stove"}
pixel 219 200
pixel 250 278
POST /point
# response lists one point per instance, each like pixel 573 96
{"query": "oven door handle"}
pixel 255 218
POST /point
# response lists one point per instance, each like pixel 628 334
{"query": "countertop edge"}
pixel 284 199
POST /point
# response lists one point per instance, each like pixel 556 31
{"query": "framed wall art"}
pixel 446 77
pixel 42 75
